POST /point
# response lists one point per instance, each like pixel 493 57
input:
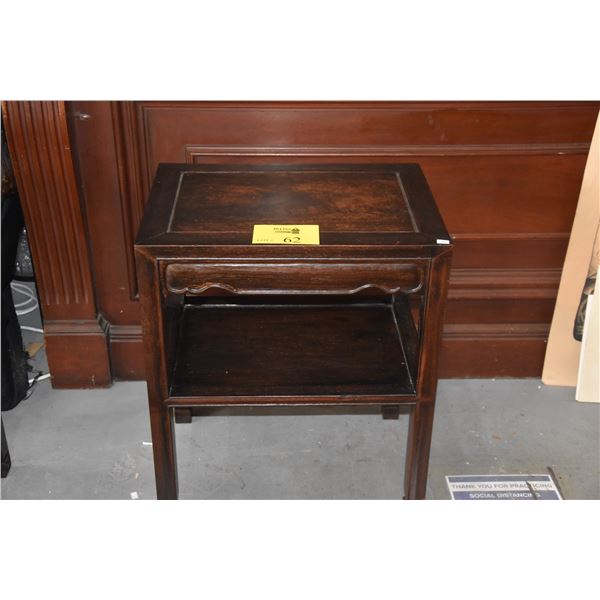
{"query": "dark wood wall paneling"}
pixel 505 175
pixel 75 333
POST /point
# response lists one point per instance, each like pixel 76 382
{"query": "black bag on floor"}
pixel 15 367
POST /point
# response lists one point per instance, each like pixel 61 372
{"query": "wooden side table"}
pixel 352 320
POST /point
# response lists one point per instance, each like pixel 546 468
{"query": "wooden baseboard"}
pixel 126 352
pixel 469 350
pixel 472 350
pixel 77 353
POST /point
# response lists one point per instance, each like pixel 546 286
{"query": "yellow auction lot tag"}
pixel 285 234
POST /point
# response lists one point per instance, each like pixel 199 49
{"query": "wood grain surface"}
pixel 506 177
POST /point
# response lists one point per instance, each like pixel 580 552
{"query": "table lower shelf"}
pixel 243 353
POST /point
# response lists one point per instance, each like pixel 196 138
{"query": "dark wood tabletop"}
pixel 354 205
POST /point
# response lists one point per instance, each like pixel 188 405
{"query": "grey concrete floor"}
pixel 95 444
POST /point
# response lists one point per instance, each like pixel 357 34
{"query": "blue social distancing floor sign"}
pixel 502 487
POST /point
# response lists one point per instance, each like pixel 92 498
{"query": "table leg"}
pixel 162 422
pixel 5 454
pixel 417 454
